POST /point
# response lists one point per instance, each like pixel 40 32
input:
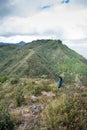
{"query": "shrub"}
pixel 14 80
pixel 3 79
pixel 39 88
pixel 67 112
pixel 0 83
pixel 19 97
pixel 7 122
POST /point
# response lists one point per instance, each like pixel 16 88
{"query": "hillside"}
pixel 37 104
pixel 42 58
pixel 29 95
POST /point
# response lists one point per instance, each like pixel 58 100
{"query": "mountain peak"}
pixel 21 43
pixel 49 58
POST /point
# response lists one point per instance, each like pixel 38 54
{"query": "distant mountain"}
pixel 2 44
pixel 42 58
pixel 22 43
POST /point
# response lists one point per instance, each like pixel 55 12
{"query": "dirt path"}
pixel 26 58
pixel 22 62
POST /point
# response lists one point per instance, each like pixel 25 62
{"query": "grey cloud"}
pixel 21 7
pixel 24 8
pixel 76 2
pixel 4 8
pixel 3 2
pixel 84 2
pixel 28 8
pixel 10 34
pixel 12 8
pixel 80 2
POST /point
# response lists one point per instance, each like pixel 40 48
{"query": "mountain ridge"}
pixel 42 58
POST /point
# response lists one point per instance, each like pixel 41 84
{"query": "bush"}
pixel 14 80
pixel 7 122
pixel 19 97
pixel 3 79
pixel 67 112
pixel 39 88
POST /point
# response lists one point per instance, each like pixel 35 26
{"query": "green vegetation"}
pixel 28 87
pixel 19 97
pixel 3 79
pixel 7 122
pixel 14 80
pixel 44 86
pixel 42 57
pixel 67 112
pixel 64 108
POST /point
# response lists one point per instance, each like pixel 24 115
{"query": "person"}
pixel 60 82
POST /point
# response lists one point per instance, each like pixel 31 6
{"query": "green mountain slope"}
pixel 42 58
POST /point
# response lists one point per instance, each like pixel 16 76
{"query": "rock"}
pixel 34 98
pixel 49 94
pixel 35 127
pixel 23 83
pixel 36 108
pixel 76 94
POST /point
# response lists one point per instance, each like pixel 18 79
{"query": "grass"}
pixel 67 109
pixel 42 58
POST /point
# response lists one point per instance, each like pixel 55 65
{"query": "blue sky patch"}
pixel 45 7
pixel 65 1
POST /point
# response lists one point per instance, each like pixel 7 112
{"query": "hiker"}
pixel 60 82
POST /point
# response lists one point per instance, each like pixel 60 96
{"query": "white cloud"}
pixel 79 46
pixel 30 21
pixel 62 21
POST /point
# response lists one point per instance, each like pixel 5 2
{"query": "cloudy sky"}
pixel 27 20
